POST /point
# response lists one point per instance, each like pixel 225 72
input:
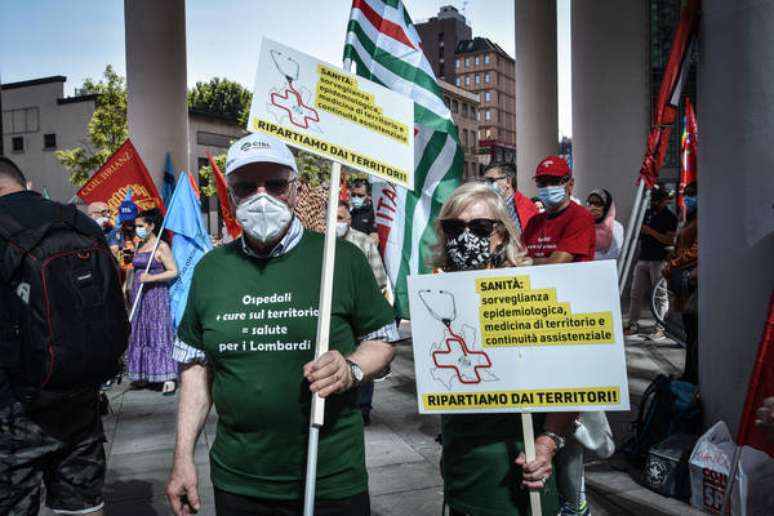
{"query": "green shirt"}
pixel 480 477
pixel 257 321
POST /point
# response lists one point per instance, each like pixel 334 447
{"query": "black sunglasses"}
pixel 453 228
pixel 275 187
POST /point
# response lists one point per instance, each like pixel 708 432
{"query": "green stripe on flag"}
pixel 422 115
pixel 393 63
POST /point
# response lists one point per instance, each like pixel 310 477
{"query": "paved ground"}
pixel 402 455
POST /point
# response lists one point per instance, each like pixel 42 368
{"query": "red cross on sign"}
pixel 299 113
pixel 464 362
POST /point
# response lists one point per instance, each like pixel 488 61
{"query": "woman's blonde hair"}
pixel 514 253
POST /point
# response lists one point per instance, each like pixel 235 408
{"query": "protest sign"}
pixel 322 109
pixel 527 339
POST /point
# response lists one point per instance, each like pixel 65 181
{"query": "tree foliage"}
pixel 107 129
pixel 221 97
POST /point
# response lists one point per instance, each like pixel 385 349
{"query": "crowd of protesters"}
pixel 258 463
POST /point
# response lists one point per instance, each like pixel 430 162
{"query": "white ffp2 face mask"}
pixel 264 217
pixel 341 229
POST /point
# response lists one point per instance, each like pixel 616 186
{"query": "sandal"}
pixel 169 388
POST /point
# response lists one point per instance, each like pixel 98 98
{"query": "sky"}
pixel 78 38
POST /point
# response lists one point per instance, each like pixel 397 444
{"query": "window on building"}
pixel 464 137
pixel 487 77
pixel 488 133
pixel 486 59
pixel 478 61
pixel 440 36
pixel 465 110
pixel 49 141
pixel 467 62
pixel 467 80
pixel 458 82
pixel 457 63
pixel 473 115
pixel 488 96
pixel 478 79
pixel 455 106
pixel 480 134
pixel 488 115
pixel 446 100
pixel 17 144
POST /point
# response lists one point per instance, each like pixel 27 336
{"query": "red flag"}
pixel 671 88
pixel 195 186
pixel 122 171
pixel 232 226
pixel 761 386
pixel 343 192
pixel 688 148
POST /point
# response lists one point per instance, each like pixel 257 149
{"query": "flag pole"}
pixel 634 237
pixel 135 303
pixel 317 415
pixel 630 227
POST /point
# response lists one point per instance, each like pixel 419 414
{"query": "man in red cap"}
pixel 564 233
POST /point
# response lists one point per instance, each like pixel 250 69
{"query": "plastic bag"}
pixel 594 433
pixel 710 466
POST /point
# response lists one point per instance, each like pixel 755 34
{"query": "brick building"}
pixel 484 68
pixel 440 36
pixel 464 109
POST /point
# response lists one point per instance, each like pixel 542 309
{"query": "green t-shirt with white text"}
pixel 257 321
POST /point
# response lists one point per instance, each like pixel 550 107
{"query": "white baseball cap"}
pixel 259 148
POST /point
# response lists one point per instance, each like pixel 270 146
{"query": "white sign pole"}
pixel 317 416
pixel 529 450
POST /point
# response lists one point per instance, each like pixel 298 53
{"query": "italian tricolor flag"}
pixel 385 47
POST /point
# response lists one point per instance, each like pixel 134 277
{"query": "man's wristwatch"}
pixel 356 372
pixel 559 441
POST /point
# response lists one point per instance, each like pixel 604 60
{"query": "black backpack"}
pixel 61 285
pixel 668 407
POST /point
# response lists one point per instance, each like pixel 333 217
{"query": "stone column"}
pixel 610 97
pixel 736 197
pixel 537 130
pixel 156 76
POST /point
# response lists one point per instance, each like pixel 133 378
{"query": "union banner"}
pixel 124 170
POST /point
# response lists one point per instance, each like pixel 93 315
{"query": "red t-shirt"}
pixel 525 209
pixel 571 231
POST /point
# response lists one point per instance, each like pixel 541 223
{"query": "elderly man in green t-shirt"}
pixel 246 343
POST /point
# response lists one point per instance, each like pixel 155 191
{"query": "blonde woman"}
pixel 483 466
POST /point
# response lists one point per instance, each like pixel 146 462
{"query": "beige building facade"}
pixel 464 107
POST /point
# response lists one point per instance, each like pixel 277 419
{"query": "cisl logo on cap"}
pixel 255 145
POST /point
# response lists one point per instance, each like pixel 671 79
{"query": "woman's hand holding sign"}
pixel 536 473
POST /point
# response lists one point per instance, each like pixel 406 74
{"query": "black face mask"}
pixel 468 252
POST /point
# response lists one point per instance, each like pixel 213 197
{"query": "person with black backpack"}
pixel 63 328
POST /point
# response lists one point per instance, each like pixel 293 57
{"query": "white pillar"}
pixel 157 107
pixel 610 96
pixel 736 191
pixel 537 131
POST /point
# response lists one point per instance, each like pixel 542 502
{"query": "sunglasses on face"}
pixel 276 187
pixel 453 228
pixel 542 182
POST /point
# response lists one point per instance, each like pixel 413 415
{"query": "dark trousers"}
pixel 229 504
pixel 691 370
pixel 365 396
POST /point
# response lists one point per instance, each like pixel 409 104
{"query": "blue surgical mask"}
pixel 142 233
pixel 357 202
pixel 552 196
pixel 690 203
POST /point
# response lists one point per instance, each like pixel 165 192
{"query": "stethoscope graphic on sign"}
pixel 290 100
pixel 454 353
